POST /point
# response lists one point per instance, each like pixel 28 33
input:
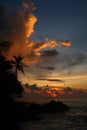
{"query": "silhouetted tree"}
pixel 9 85
pixel 18 64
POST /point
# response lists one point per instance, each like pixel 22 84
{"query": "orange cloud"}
pixel 37 46
pixel 29 24
pixel 25 5
pixel 22 26
pixel 66 43
pixel 51 93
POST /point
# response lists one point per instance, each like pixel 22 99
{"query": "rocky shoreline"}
pixel 31 111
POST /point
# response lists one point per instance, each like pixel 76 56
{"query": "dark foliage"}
pixel 12 112
pixel 9 86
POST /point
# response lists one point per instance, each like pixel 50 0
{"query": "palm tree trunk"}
pixel 16 73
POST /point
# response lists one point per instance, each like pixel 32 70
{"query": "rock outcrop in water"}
pixel 54 106
pixel 31 111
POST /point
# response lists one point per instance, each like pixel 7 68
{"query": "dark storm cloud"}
pixel 56 80
pixel 49 59
pixel 32 87
pixel 5 46
pixel 41 79
pixel 33 91
pixel 4 24
pixel 51 80
pixel 68 89
pixel 74 60
pixel 47 67
pixel 79 59
pixel 48 53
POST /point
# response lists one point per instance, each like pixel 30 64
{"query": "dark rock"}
pixel 54 106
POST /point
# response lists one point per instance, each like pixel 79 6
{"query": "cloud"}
pixel 80 58
pixel 4 25
pixel 56 80
pixel 25 5
pixel 4 47
pixel 41 79
pixel 32 87
pixel 76 59
pixel 38 45
pixel 18 26
pixel 35 92
pixel 48 53
pixel 65 43
pixel 72 92
pixel 51 80
pixel 68 89
pixel 69 61
pixel 28 5
pixel 47 67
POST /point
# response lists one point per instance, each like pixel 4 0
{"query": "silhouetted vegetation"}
pixel 18 64
pixel 12 112
pixel 31 111
pixel 9 86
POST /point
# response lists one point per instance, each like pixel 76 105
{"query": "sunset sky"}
pixel 52 36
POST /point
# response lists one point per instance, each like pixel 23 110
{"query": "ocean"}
pixel 74 119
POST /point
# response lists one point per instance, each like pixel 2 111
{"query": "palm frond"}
pixel 18 64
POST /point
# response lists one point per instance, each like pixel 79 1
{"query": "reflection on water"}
pixel 74 119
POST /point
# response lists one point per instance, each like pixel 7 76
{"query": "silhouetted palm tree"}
pixel 9 86
pixel 18 64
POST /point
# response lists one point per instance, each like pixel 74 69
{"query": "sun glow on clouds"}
pixel 35 92
pixel 22 27
pixel 41 56
pixel 25 5
pixel 75 80
pixel 29 24
pixel 66 43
